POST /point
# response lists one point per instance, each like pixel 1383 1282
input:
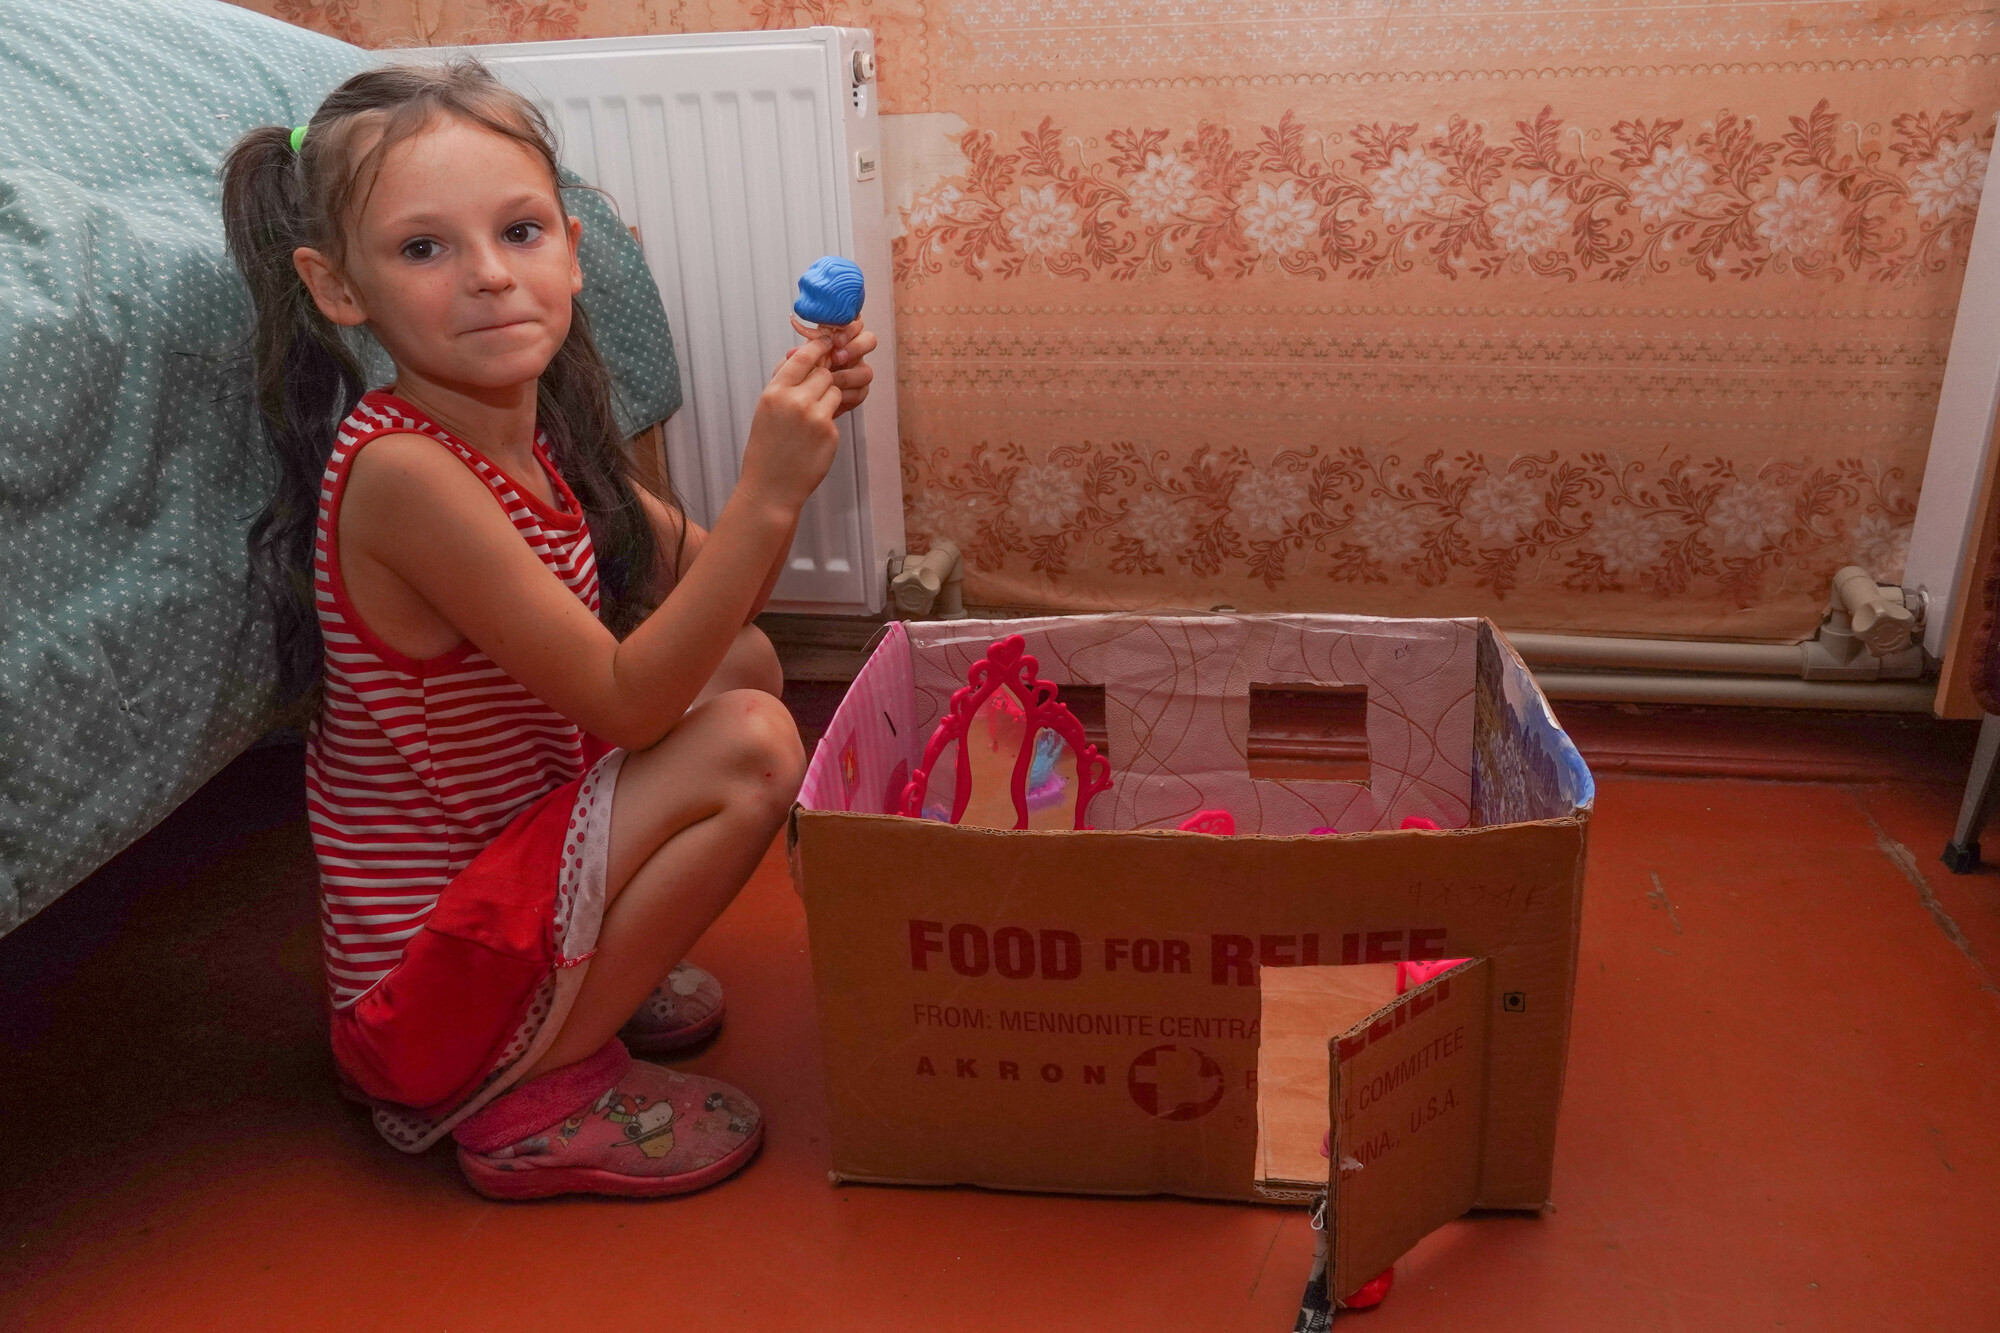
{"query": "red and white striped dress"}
pixel 459 821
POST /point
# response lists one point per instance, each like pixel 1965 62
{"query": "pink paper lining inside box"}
pixel 1177 714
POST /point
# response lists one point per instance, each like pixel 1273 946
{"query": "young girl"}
pixel 464 573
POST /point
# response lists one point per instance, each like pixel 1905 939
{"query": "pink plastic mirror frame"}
pixel 1007 664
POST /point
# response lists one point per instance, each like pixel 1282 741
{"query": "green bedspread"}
pixel 134 662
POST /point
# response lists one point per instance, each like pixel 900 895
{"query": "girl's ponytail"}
pixel 573 408
pixel 306 380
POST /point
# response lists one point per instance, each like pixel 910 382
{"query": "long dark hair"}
pixel 306 372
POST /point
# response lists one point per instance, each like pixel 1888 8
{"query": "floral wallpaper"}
pixel 1619 319
pixel 1531 200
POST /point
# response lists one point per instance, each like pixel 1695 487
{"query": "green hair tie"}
pixel 298 138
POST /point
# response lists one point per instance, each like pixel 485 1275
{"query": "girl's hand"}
pixel 792 436
pixel 851 343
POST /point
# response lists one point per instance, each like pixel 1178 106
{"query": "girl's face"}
pixel 461 263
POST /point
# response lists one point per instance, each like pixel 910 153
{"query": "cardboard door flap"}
pixel 1401 1081
pixel 1408 1106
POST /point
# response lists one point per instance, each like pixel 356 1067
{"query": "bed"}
pixel 134 660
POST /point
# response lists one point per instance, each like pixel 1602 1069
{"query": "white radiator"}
pixel 1963 442
pixel 738 159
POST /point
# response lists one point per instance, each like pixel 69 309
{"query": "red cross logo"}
pixel 1175 1082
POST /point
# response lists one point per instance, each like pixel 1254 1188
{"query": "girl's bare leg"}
pixel 751 664
pixel 691 818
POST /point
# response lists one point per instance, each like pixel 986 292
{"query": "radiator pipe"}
pixel 1896 696
pixel 1736 659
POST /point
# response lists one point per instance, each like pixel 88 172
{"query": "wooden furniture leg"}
pixel 1961 855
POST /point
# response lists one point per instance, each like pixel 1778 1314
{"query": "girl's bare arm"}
pixel 851 376
pixel 667 527
pixel 427 520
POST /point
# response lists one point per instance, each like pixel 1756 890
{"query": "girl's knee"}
pixel 760 743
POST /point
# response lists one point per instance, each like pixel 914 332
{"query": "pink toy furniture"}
pixel 1008 666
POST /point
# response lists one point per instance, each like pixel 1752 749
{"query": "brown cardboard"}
pixel 1302 1010
pixel 1402 1080
pixel 1079 1010
pixel 1409 1095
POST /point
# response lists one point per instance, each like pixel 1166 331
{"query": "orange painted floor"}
pixel 1783 1110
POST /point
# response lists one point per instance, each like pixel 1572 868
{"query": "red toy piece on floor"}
pixel 1372 1291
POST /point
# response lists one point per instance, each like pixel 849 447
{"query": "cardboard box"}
pixel 1079 1011
pixel 1401 1080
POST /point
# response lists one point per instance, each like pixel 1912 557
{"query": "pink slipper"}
pixel 684 1009
pixel 609 1125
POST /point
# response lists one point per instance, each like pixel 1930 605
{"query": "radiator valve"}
pixel 1868 633
pixel 929 584
pixel 1882 623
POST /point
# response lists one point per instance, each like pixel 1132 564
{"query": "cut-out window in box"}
pixel 1086 705
pixel 1316 733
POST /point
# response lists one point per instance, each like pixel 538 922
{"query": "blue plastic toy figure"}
pixel 830 294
